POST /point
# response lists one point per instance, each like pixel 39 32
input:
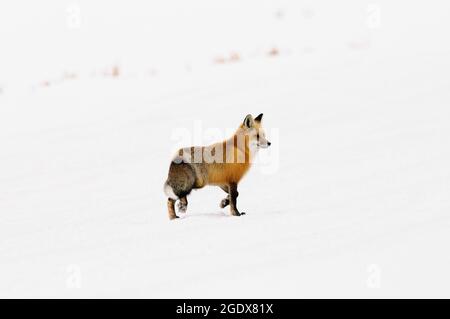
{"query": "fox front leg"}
pixel 225 202
pixel 233 199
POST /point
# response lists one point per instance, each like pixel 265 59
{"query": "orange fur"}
pixel 236 160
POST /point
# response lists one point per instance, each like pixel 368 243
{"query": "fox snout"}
pixel 264 145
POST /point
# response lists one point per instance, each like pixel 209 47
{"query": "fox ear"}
pixel 259 118
pixel 248 121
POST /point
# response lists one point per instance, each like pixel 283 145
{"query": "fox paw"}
pixel 181 207
pixel 224 203
pixel 238 214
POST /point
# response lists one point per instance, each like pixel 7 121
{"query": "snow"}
pixel 351 199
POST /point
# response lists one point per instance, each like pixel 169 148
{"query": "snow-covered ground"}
pixel 351 200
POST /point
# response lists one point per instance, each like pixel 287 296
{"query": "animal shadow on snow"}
pixel 217 214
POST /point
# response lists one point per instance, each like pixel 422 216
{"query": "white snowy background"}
pixel 352 199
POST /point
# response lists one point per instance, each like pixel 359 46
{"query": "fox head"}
pixel 254 130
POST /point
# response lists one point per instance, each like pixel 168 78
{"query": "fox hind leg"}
pixel 180 182
pixel 182 205
pixel 171 208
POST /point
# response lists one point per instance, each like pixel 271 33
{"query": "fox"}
pixel 222 164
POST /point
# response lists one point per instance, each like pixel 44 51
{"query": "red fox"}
pixel 222 164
